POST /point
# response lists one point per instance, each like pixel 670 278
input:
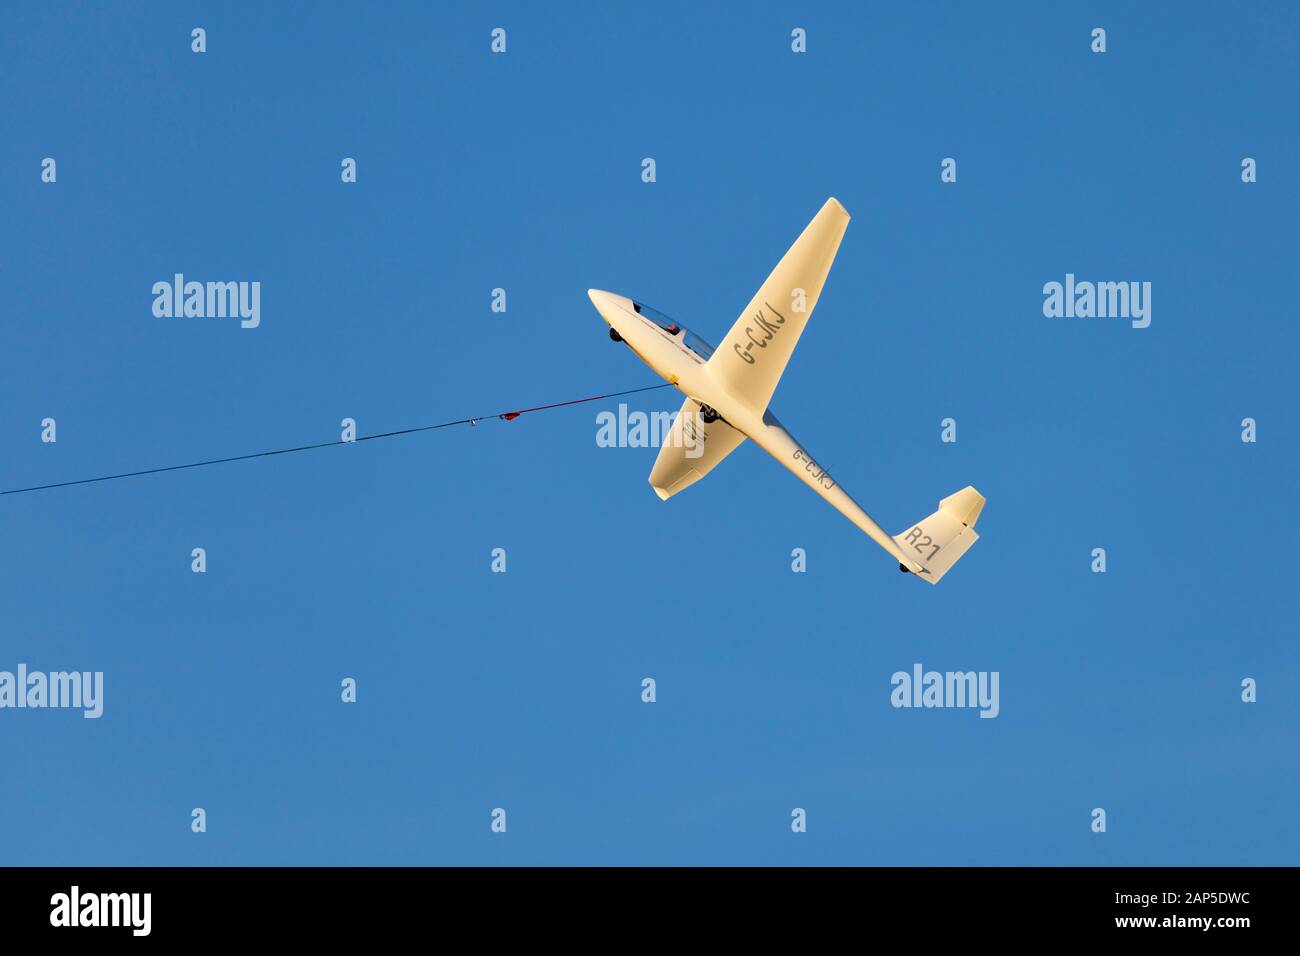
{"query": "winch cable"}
pixel 499 416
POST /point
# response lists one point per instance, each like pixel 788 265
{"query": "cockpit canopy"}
pixel 688 338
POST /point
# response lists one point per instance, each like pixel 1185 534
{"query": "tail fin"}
pixel 939 540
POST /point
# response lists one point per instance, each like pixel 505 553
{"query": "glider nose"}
pixel 601 300
pixel 609 305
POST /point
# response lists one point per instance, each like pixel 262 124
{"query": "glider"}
pixel 728 390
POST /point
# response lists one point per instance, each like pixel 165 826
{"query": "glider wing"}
pixel 691 450
pixel 752 357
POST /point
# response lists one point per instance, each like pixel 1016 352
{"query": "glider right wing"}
pixel 691 450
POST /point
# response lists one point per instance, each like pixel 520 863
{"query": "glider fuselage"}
pixel 681 358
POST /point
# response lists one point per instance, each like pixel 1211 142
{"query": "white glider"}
pixel 728 389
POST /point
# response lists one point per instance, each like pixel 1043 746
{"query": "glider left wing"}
pixel 691 450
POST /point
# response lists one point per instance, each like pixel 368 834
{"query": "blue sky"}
pixel 522 690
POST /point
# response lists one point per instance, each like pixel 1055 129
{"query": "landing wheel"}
pixel 708 414
pixel 903 567
pixel 613 334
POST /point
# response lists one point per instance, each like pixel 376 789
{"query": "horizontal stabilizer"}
pixel 936 542
pixel 965 505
